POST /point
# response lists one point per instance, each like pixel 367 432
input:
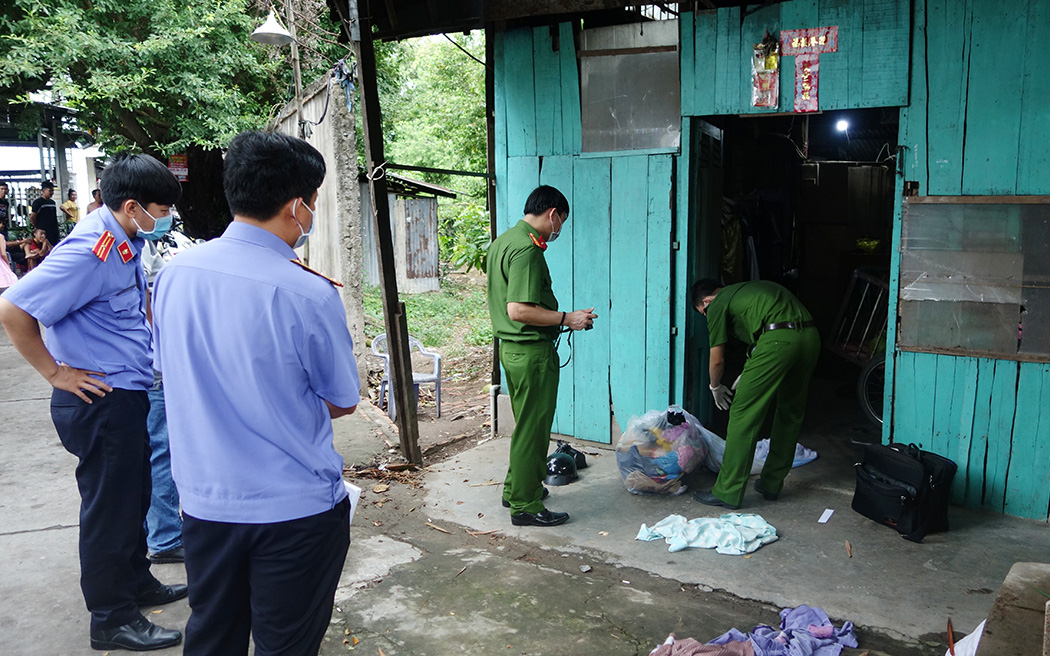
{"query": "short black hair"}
pixel 545 197
pixel 3 183
pixel 702 289
pixel 264 170
pixel 70 192
pixel 47 184
pixel 96 191
pixel 140 178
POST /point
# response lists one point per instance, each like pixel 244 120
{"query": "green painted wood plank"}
pixel 912 127
pixel 557 172
pixel 500 131
pixel 973 474
pixel 961 434
pixel 682 225
pixel 1033 156
pixel 993 114
pixel 1028 478
pixel 890 394
pixel 706 70
pixel 723 54
pixel 905 399
pixel 629 244
pixel 687 62
pixel 593 194
pixel 523 175
pixel 657 301
pixel 927 377
pixel 851 47
pixel 941 424
pixel 835 67
pixel 941 156
pixel 886 24
pixel 752 31
pixel 795 15
pixel 738 70
pixel 1000 434
pixel 521 93
pixel 547 72
pixel 570 91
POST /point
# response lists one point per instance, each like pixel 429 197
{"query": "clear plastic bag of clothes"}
pixel 658 448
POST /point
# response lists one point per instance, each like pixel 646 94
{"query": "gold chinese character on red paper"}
pixel 823 39
pixel 794 42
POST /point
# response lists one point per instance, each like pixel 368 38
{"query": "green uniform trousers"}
pixel 532 381
pixel 778 372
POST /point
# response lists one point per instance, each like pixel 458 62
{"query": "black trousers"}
pixel 109 437
pixel 275 582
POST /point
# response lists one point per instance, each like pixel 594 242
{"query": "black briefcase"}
pixel 904 488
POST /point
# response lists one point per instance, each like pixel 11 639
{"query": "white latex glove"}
pixel 723 396
pixel 736 382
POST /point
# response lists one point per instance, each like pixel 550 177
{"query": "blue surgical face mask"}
pixel 161 226
pixel 303 236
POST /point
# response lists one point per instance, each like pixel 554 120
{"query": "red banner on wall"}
pixel 807 45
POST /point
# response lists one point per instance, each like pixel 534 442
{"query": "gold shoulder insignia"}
pixel 317 273
pixel 540 242
pixel 103 245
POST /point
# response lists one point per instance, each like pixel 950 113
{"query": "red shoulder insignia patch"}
pixel 125 251
pixel 103 245
pixel 317 273
pixel 539 241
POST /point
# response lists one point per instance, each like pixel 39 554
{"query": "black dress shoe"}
pixel 162 594
pixel 546 493
pixel 761 489
pixel 709 499
pixel 542 518
pixel 176 555
pixel 139 635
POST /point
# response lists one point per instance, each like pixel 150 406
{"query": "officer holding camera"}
pixel 526 319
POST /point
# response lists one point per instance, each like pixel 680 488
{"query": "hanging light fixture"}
pixel 272 32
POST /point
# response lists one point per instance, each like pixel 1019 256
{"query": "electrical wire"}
pixel 467 52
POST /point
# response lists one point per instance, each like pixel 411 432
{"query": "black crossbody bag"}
pixel 905 488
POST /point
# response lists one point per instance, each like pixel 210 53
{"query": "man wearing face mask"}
pixel 257 359
pixel 91 296
pixel 526 319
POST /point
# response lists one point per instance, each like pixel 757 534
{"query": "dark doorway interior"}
pixel 806 203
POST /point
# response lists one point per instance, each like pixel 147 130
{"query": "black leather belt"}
pixel 788 324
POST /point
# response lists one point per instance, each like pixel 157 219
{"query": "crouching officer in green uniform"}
pixel 526 319
pixel 783 347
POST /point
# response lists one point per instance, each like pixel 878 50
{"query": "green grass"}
pixel 452 319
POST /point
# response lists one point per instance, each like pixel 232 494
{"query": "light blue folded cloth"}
pixel 733 534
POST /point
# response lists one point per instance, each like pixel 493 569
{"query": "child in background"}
pixel 36 249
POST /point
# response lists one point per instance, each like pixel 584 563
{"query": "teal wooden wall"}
pixel 976 125
pixel 870 68
pixel 615 251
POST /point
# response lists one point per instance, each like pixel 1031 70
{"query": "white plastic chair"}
pixel 379 349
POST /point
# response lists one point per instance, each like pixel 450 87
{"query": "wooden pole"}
pixel 289 15
pixel 490 183
pixel 402 389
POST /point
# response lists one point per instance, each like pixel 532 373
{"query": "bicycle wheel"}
pixel 870 387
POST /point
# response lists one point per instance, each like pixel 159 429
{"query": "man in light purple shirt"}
pixel 257 359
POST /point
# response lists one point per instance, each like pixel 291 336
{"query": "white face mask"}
pixel 554 233
pixel 303 236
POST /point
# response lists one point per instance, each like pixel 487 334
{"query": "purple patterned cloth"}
pixel 804 631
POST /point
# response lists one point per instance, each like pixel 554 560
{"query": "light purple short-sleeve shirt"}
pixel 251 346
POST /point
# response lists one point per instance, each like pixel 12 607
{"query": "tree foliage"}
pixel 158 76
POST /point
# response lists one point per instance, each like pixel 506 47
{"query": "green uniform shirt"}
pixel 743 309
pixel 517 273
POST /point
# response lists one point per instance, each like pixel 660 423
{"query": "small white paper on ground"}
pixel 826 516
pixel 354 494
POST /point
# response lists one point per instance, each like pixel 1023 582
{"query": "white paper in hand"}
pixel 354 494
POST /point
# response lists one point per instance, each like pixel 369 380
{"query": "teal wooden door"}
pixel 615 254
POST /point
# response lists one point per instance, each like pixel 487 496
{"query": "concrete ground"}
pixel 436 568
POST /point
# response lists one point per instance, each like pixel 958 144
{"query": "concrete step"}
pixel 1017 622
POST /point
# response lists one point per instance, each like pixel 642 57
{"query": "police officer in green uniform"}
pixel 783 347
pixel 526 319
